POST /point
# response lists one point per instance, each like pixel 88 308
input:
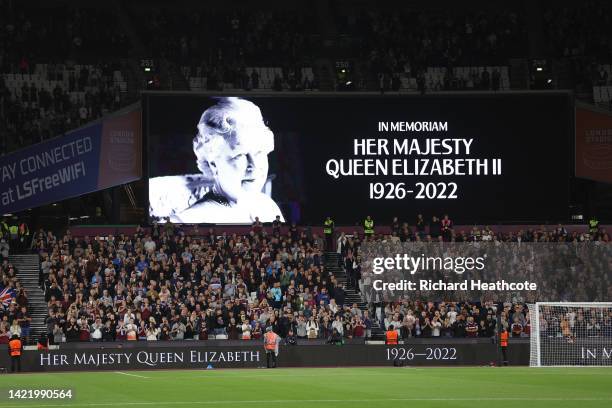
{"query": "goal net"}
pixel 571 334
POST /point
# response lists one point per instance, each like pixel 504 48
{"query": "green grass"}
pixel 326 387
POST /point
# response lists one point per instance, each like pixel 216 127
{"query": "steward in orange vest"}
pixel 271 341
pixel 14 349
pixel 503 342
pixel 391 336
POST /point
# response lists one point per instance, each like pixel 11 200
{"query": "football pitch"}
pixel 323 387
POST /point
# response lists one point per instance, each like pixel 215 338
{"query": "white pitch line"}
pixel 285 401
pixel 131 375
pixel 281 375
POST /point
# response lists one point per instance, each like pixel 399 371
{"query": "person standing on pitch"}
pixel 368 227
pixel 271 342
pixel 503 342
pixel 15 348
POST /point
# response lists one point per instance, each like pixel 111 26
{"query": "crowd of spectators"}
pixel 407 42
pixel 292 78
pixel 579 29
pixel 459 320
pixel 389 48
pixel 219 46
pixel 581 33
pixel 14 316
pixel 49 45
pixel 574 323
pixel 443 229
pixel 33 113
pixel 220 42
pixel 168 285
pixel 455 319
pixel 175 283
pixel 417 316
pixel 57 32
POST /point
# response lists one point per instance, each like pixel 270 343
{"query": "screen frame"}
pixel 569 118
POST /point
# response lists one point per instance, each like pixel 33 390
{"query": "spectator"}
pixel 335 338
pixel 516 328
pixel 15 329
pixel 471 328
pixel 96 330
pixel 312 328
pixel 436 327
pixel 358 328
pixel 291 340
pixel 24 320
pixel 58 334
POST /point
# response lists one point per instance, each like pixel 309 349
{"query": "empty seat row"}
pixel 602 94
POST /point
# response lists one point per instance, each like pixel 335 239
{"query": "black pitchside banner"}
pixel 190 355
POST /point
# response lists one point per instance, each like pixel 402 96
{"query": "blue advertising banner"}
pixel 80 162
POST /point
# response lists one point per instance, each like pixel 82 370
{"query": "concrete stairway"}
pixel 333 264
pixel 28 267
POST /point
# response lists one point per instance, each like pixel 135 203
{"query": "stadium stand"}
pixel 15 317
pixel 94 64
pixel 217 50
pixel 77 74
pixel 170 286
pixel 589 20
pixel 175 283
pixel 225 37
pixel 585 55
pixel 397 50
pixel 161 284
pixel 423 318
pixel 196 192
pixel 253 78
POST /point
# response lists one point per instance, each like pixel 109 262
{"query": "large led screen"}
pixel 480 158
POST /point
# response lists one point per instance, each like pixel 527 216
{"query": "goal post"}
pixel 571 334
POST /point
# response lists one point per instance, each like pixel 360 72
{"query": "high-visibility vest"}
pixel 391 337
pixel 270 341
pixel 503 339
pixel 593 225
pixel 15 347
pixel 368 226
pixel 328 226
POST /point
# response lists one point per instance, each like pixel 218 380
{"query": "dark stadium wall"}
pixel 236 354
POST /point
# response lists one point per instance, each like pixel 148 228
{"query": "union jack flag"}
pixel 6 295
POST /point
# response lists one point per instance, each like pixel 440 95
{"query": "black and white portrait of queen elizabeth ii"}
pixel 231 149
